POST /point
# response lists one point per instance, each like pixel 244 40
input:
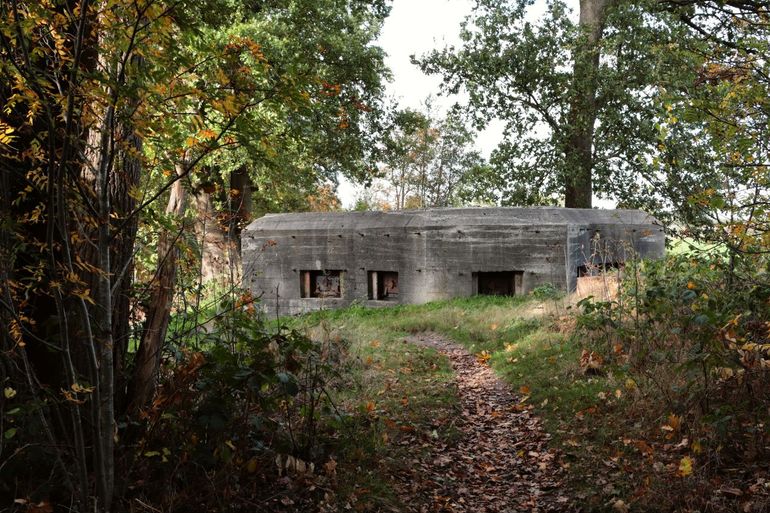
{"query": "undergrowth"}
pixel 657 399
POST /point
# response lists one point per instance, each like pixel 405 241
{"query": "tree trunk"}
pixel 240 204
pixel 147 362
pixel 581 118
pixel 215 250
pixel 219 232
pixel 123 186
pixel 103 322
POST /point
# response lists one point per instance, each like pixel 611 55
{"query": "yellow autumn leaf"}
pixel 78 389
pixel 85 295
pixel 685 467
pixel 9 392
pixel 697 448
pixel 483 357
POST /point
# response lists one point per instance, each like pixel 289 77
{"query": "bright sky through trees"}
pixel 415 27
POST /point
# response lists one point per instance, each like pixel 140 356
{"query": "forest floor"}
pixel 501 460
pixel 483 404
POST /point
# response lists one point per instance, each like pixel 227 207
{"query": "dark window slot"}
pixel 499 283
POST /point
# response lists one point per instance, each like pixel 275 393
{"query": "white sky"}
pixel 416 27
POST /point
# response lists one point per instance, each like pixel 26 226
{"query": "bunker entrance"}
pixel 502 283
pixel 321 284
pixel 383 285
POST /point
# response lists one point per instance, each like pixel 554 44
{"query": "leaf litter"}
pixel 501 461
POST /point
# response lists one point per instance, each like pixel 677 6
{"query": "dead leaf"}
pixel 620 506
pixel 685 467
pixel 330 467
pixel 591 362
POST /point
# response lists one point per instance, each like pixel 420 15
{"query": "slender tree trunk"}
pixel 103 309
pixel 578 185
pixel 147 363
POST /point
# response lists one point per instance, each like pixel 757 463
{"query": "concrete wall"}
pixel 435 252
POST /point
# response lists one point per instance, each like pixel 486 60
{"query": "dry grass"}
pixel 604 287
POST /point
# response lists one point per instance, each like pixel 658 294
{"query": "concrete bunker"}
pixel 304 262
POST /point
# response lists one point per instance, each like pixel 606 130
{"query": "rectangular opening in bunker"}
pixel 383 285
pixel 320 284
pixel 501 283
pixel 590 269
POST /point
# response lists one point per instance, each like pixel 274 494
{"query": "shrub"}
pixel 546 291
pixel 693 330
pixel 224 412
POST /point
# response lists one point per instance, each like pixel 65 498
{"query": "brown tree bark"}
pixel 214 242
pixel 123 186
pixel 578 186
pixel 241 204
pixel 147 362
pixel 219 232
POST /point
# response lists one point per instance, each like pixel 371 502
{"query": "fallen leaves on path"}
pixel 501 461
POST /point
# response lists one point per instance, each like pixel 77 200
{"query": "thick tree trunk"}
pixel 219 233
pixel 578 186
pixel 123 186
pixel 215 244
pixel 240 204
pixel 147 363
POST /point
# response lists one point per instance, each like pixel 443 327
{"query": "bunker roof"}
pixel 449 217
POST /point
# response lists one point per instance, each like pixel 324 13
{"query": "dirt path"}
pixel 501 462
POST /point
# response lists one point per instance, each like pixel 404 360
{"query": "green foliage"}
pixel 694 336
pixel 714 117
pixel 246 396
pixel 430 162
pixel 521 72
pixel 680 105
pixel 546 291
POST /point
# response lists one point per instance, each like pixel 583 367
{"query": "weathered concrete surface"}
pixel 436 252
